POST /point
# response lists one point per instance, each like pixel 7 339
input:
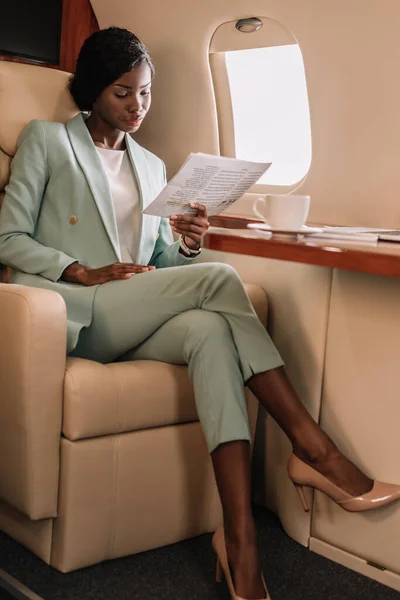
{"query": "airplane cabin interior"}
pixel 109 484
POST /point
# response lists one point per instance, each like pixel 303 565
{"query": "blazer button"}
pixel 157 236
pixel 73 220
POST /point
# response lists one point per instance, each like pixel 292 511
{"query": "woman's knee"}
pixel 207 325
pixel 221 275
pixel 223 270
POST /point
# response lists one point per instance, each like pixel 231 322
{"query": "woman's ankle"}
pixel 241 530
pixel 315 451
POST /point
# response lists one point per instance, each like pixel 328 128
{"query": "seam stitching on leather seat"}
pixel 121 390
pixel 70 376
pixel 110 543
pixel 113 519
pixel 30 418
pixel 117 491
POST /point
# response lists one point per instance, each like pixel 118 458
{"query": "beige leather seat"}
pixel 96 461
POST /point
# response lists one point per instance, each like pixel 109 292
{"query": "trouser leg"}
pixel 203 340
pixel 125 313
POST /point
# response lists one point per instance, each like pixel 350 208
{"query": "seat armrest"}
pixel 32 365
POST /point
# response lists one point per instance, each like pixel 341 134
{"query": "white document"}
pixel 359 238
pixel 355 230
pixel 358 234
pixel 386 235
pixel 215 181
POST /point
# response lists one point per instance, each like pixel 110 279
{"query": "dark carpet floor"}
pixel 186 571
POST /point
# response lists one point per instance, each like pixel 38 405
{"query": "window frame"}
pixel 227 38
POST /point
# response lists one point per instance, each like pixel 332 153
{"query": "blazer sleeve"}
pixel 21 208
pixel 166 251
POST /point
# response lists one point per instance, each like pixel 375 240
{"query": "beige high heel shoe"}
pixel 218 542
pixel 303 475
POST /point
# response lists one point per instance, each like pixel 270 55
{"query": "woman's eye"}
pixel 146 93
pixel 121 95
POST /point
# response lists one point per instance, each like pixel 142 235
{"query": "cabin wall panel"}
pixel 351 55
pixel 360 410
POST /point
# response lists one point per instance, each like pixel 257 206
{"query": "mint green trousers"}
pixel 197 315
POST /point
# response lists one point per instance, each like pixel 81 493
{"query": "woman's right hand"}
pixel 77 273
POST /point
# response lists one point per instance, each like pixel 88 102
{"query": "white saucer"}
pixel 302 230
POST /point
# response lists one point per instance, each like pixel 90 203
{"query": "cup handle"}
pixel 255 209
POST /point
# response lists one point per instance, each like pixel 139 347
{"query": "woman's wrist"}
pixel 191 244
pixel 75 273
pixel 187 250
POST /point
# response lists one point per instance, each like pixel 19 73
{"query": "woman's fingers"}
pixel 191 226
pixel 130 268
pixel 115 271
pixel 202 211
pixel 113 276
pixel 135 269
pixel 188 228
pixel 131 265
pixel 177 220
pixel 119 271
pixel 122 275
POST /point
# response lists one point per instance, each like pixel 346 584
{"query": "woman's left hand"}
pixel 192 227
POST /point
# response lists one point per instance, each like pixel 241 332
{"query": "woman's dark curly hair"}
pixel 104 57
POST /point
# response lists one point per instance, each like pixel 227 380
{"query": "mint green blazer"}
pixel 57 174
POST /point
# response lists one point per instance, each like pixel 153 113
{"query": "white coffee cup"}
pixel 283 211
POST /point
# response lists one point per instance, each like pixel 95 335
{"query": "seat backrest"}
pixel 28 92
pixel 29 476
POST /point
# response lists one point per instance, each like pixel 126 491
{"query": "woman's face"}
pixel 124 104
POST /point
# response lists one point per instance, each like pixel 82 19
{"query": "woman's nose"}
pixel 135 106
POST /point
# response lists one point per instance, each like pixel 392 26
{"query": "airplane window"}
pixel 270 110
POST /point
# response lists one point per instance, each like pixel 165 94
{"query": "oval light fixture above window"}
pixel 249 25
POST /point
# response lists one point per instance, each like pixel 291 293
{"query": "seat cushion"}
pixel 106 399
pixel 126 396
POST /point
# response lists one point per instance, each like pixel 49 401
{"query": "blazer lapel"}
pixel 91 165
pixel 143 178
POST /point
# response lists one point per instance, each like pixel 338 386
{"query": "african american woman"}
pixel 71 222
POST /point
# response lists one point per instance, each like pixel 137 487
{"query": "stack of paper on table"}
pixel 215 181
pixel 357 234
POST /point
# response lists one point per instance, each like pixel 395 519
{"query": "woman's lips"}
pixel 133 122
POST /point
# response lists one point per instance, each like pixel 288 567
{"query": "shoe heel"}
pixel 218 574
pixel 300 492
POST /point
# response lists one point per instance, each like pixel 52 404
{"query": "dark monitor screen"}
pixel 31 29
